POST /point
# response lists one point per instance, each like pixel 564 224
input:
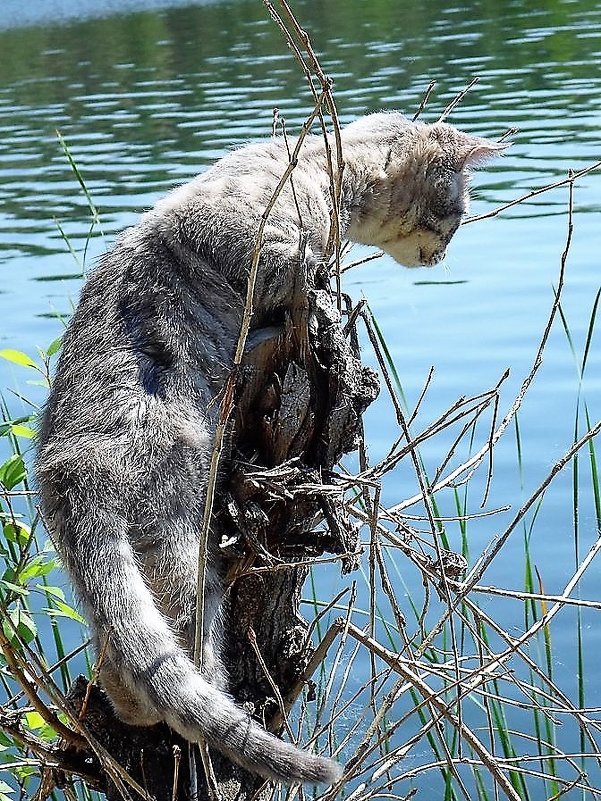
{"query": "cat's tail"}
pixel 142 649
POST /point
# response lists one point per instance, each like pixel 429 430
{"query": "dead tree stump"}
pixel 300 396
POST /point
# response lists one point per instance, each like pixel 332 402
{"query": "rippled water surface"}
pixel 147 99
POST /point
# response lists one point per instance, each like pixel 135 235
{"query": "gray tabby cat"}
pixel 127 433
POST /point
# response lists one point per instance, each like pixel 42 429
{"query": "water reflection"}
pixel 149 98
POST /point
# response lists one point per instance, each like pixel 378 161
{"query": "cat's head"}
pixel 412 182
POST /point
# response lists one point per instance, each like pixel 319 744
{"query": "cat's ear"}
pixel 475 150
pixel 462 150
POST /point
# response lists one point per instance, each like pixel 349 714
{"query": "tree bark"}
pixel 301 393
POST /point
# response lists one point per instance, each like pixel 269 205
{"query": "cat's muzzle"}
pixel 433 258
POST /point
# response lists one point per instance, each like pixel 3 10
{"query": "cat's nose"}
pixel 431 259
pixel 438 257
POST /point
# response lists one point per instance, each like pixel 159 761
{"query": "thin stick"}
pixel 252 638
pixel 442 708
pixel 93 678
pixel 477 458
pixel 424 100
pixel 319 654
pixel 47 715
pixel 457 99
pixel 532 596
pixel 573 176
pixel 177 758
pixel 227 403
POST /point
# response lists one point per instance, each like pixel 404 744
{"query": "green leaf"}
pixel 54 592
pixel 22 623
pixel 78 175
pixel 5 741
pixel 54 346
pixel 5 790
pixel 7 426
pixel 38 566
pixel 17 357
pixel 12 472
pixel 34 720
pixel 24 771
pixel 22 431
pixel 64 610
pixel 14 587
pixel 17 532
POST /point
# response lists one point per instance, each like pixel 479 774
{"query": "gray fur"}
pixel 128 429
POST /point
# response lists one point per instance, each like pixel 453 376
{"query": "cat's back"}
pixel 241 185
pixel 160 312
pixel 119 370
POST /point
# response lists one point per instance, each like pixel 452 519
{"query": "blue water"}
pixel 146 100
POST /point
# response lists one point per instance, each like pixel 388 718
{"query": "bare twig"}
pixel 569 181
pixel 457 99
pixel 415 680
pixel 424 100
pixel 477 458
pixel 227 403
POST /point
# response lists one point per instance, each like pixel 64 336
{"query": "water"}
pixel 148 99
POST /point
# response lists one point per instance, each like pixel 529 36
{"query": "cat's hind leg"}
pixel 171 570
pixel 130 706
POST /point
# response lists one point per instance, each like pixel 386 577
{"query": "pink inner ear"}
pixel 482 151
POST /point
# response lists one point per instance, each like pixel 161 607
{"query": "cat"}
pixel 127 432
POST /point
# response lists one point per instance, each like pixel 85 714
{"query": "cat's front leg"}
pixel 287 268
